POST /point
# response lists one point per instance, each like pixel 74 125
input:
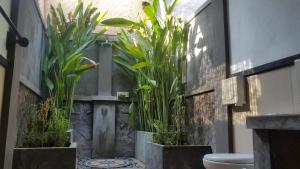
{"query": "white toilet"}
pixel 228 161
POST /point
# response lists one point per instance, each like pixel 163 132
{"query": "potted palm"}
pixel 48 143
pixel 154 49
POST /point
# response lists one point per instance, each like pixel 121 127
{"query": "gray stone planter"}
pixel 141 140
pixel 175 157
pixel 45 158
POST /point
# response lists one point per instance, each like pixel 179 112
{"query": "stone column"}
pixel 105 71
pixel 104 109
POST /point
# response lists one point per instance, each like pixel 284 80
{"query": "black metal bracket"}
pixel 22 41
pixel 3 61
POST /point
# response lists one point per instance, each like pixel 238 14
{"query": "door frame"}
pixel 9 64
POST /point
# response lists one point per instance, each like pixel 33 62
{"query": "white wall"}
pixel 114 8
pixel 273 92
pixel 262 31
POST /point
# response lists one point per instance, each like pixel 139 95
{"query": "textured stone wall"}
pixel 125 137
pixel 206 67
pixel 26 99
pixel 82 123
pixel 201 110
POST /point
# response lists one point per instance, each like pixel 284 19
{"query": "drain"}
pixel 107 163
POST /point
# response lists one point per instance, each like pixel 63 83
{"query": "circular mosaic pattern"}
pixel 107 163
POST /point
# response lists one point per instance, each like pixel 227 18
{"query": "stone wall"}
pixel 206 68
pixel 201 110
pixel 125 137
pixel 82 123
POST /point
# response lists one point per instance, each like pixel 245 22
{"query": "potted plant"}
pixel 154 49
pixel 47 143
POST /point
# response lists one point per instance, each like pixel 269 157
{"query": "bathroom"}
pixel 241 77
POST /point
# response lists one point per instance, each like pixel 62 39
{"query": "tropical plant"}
pixel 154 52
pixel 64 63
pixel 68 37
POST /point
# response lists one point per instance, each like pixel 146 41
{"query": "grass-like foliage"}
pixel 154 53
pixel 46 126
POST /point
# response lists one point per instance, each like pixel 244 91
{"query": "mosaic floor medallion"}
pixel 107 163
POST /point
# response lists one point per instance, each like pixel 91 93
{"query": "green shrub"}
pixel 168 135
pixel 46 126
pixel 36 134
pixel 170 138
pixel 58 127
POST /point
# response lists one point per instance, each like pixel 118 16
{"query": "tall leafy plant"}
pixel 68 36
pixel 64 63
pixel 154 52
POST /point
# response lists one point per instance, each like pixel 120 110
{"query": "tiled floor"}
pixel 133 164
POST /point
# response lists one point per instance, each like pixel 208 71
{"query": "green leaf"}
pixel 143 42
pixel 150 12
pixel 173 86
pixel 124 63
pixel 101 32
pixel 71 62
pixel 82 68
pixel 172 7
pixel 49 84
pixel 163 8
pixel 66 36
pixel 77 9
pixel 141 65
pixel 101 16
pixel 119 22
pixel 78 50
pixel 155 5
pixel 61 14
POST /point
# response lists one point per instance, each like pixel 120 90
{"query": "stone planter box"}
pixel 45 158
pixel 175 157
pixel 141 140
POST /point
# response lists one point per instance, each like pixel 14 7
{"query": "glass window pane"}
pixel 3 26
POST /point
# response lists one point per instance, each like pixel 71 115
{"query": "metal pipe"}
pixel 22 41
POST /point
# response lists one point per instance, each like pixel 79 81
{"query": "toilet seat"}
pixel 234 158
pixel 228 161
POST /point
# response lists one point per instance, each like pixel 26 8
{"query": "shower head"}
pixel 106 44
